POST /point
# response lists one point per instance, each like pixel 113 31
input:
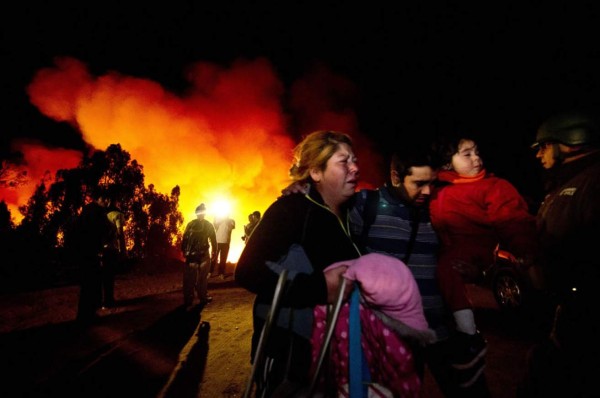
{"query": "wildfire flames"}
pixel 226 139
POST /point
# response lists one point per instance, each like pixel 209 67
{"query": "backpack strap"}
pixel 415 218
pixel 368 215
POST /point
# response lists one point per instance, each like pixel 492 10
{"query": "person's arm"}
pixel 212 237
pixel 184 238
pixel 509 215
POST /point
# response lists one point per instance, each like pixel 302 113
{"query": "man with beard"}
pixel 395 220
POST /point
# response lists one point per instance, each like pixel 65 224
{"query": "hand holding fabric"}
pixel 388 285
pixel 333 278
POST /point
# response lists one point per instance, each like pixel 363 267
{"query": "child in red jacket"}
pixel 473 211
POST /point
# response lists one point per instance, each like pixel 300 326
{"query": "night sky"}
pixel 495 69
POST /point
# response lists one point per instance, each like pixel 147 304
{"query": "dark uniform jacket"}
pixel 568 224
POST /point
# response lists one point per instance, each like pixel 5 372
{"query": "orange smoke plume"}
pixel 42 163
pixel 225 139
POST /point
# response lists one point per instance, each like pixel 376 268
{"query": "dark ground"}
pixel 150 347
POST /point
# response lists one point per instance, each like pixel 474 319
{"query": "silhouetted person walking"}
pixel 197 244
pixel 92 233
pixel 113 254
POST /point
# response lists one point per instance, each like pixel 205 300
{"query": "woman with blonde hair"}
pixel 318 222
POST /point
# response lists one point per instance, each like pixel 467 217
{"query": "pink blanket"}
pixel 386 285
pixel 390 359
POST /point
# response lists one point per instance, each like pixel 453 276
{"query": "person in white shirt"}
pixel 224 226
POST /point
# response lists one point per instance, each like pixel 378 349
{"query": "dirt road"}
pixel 151 347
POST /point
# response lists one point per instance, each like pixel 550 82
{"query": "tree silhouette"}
pixel 33 259
pixel 6 222
pixel 152 219
pixel 164 222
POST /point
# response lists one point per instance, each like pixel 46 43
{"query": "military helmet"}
pixel 572 128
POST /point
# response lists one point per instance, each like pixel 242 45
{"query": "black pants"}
pixel 110 261
pixel 566 364
pixel 90 288
pixel 285 362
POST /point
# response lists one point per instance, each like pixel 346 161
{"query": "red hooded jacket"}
pixel 473 214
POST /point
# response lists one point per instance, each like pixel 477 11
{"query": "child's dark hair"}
pixel 446 146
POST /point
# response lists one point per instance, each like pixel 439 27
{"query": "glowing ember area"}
pixel 42 164
pixel 224 141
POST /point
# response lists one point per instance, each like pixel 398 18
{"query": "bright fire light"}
pixel 217 205
pixel 221 207
pixel 225 142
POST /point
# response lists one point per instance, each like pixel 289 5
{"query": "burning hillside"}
pixel 226 140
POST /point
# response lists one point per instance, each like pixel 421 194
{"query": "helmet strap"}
pixel 579 150
pixel 558 155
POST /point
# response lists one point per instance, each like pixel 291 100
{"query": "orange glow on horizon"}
pixel 226 138
pixel 42 165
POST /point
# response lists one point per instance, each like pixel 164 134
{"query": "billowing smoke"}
pixel 41 164
pixel 226 139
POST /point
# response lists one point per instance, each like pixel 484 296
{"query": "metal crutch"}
pixel 328 334
pixel 264 334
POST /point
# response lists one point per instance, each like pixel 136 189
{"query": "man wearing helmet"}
pixel 565 138
pixel 568 223
pixel 199 246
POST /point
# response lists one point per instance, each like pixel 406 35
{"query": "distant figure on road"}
pixel 223 225
pixel 114 253
pixel 253 219
pixel 198 242
pixel 91 235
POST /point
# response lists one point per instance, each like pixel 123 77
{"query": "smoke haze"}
pixel 227 138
